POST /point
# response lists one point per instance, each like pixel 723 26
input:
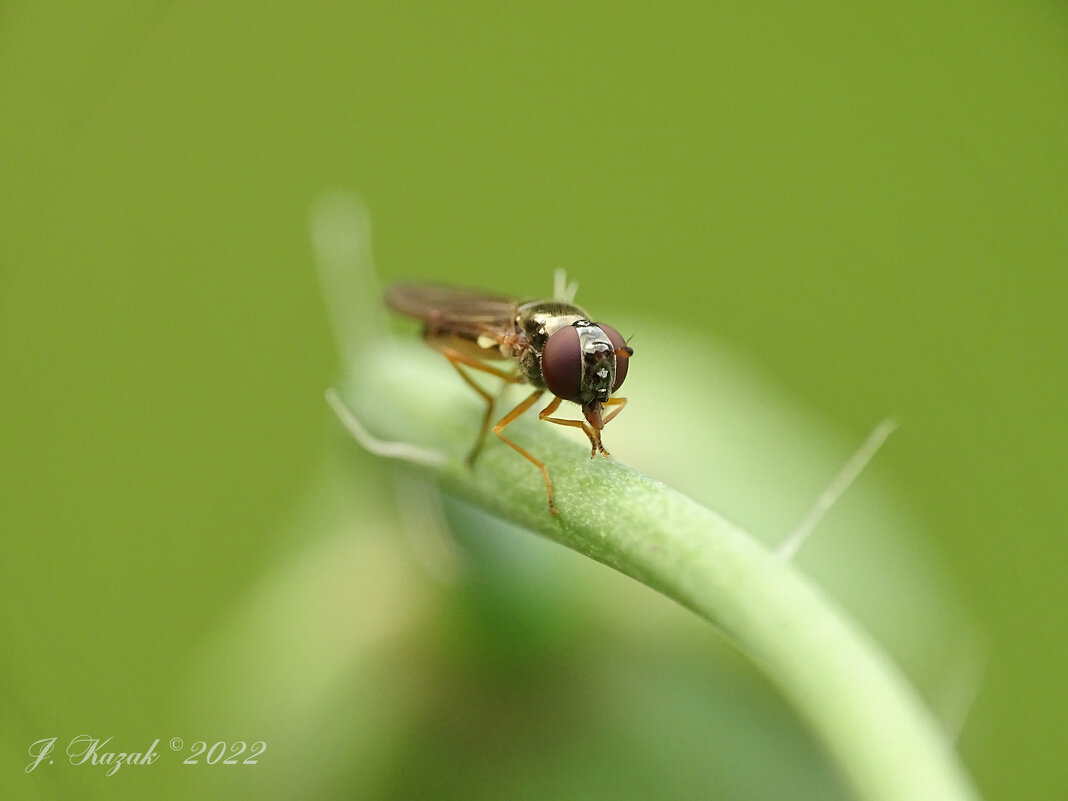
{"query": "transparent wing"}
pixel 461 311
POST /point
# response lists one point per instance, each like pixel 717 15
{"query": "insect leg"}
pixel 511 418
pixel 456 359
pixel 594 436
pixel 620 402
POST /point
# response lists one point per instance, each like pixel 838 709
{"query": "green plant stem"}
pixel 877 730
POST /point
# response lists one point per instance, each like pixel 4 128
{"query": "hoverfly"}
pixel 553 345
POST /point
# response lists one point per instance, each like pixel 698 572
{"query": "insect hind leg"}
pixel 460 360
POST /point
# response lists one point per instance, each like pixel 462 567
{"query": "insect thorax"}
pixel 535 322
pixel 538 320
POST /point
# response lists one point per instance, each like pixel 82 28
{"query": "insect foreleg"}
pixel 594 436
pixel 620 402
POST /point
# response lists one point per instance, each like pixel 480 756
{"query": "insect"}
pixel 552 344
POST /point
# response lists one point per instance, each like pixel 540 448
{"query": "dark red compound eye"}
pixel 561 364
pixel 622 362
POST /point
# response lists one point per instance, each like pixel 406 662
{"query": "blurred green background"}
pixel 867 203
